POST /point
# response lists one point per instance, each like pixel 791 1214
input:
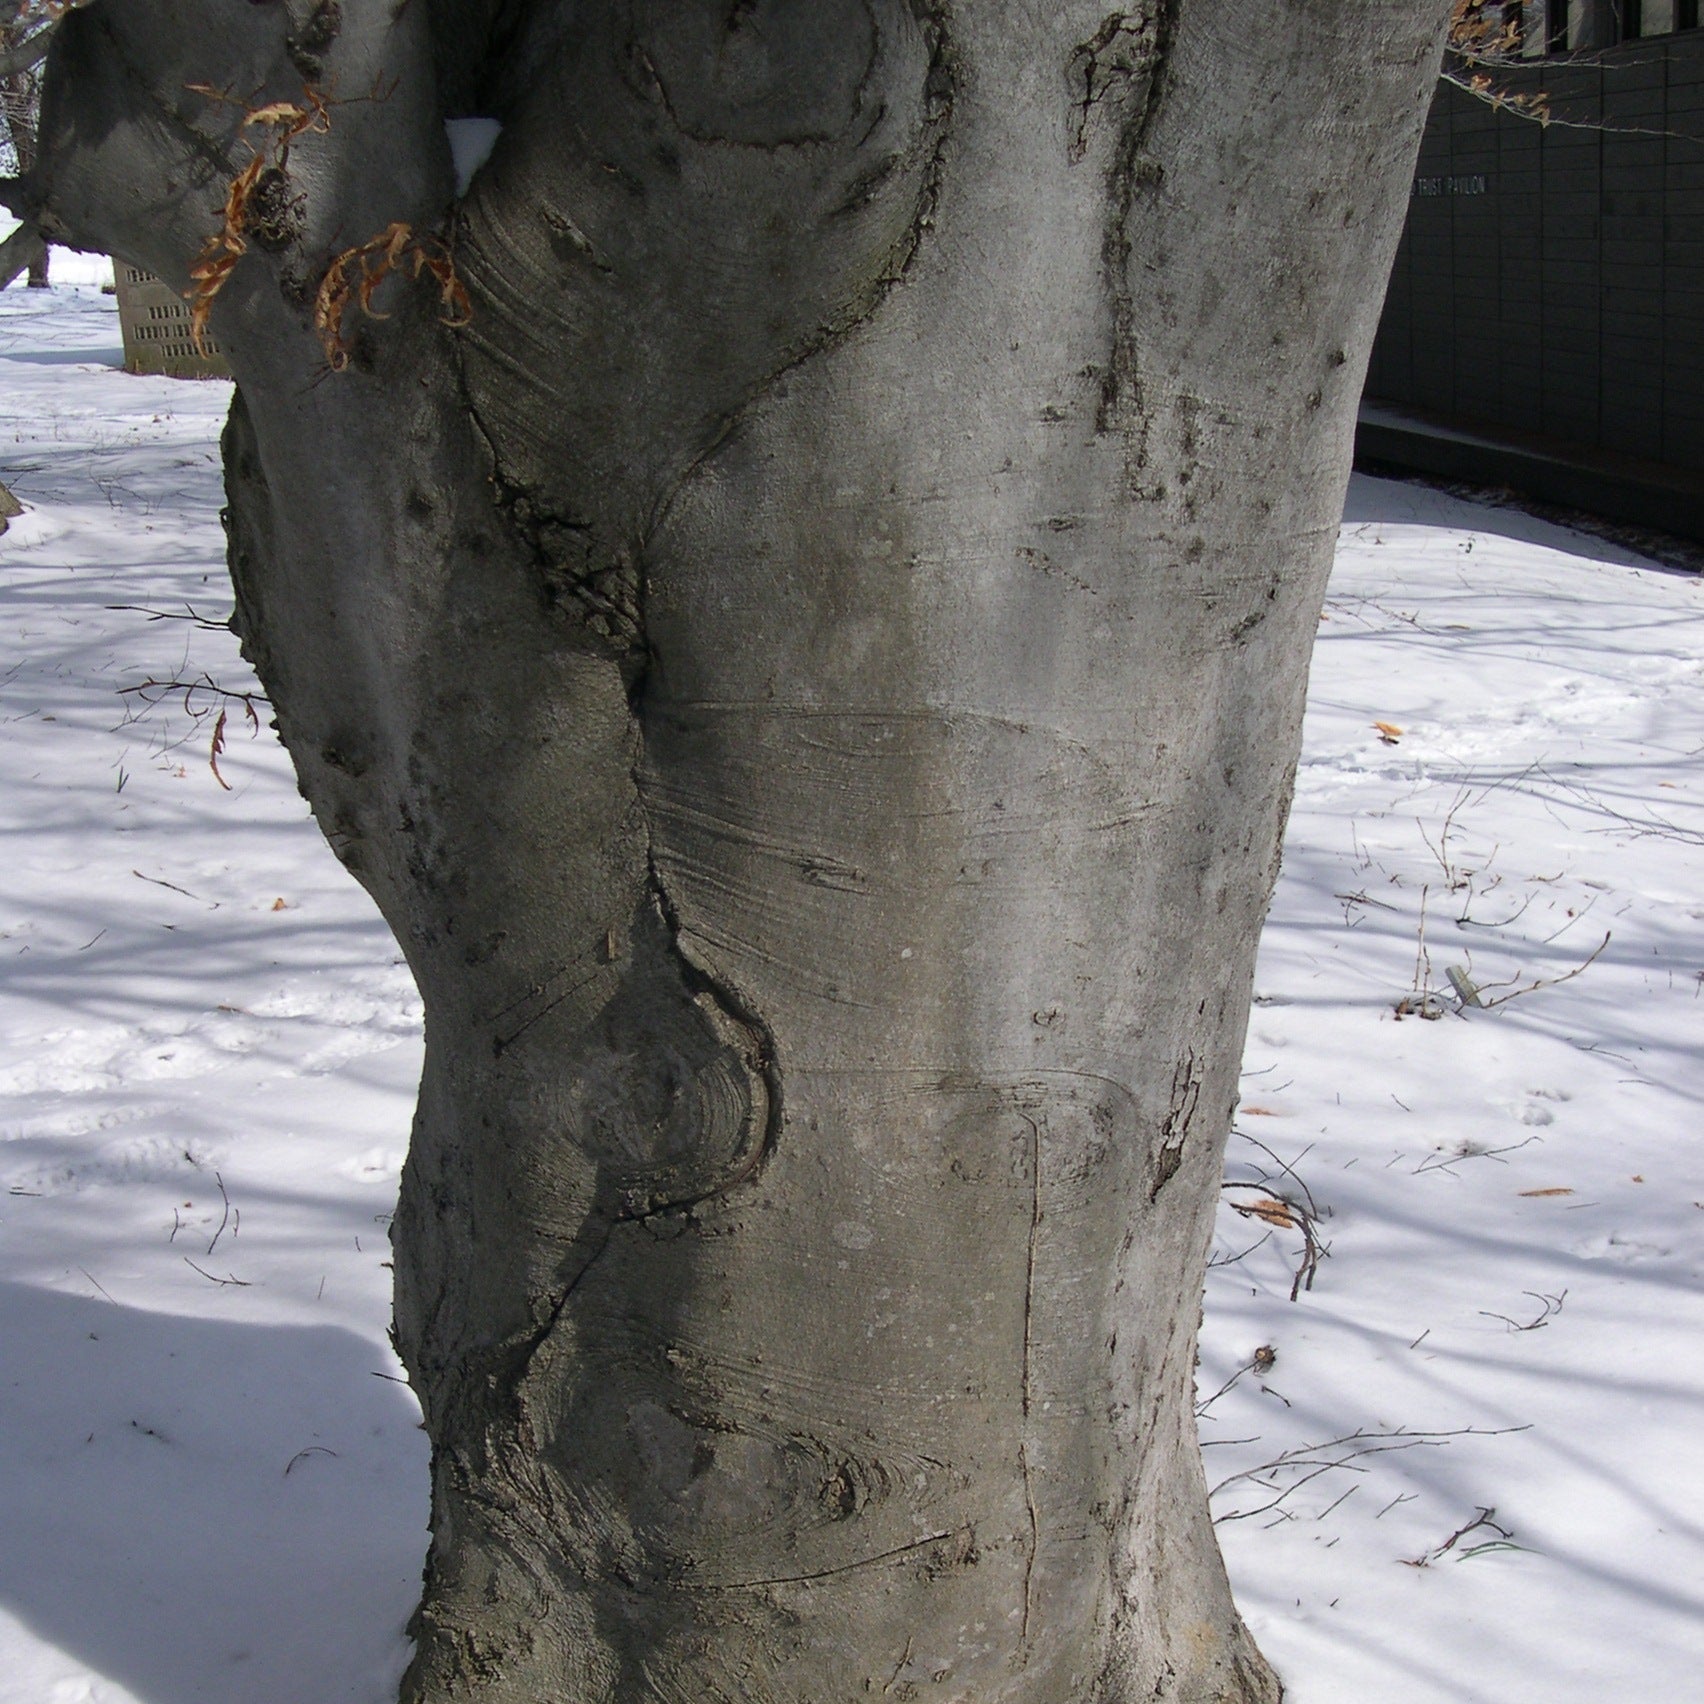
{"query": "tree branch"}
pixel 25 55
pixel 20 251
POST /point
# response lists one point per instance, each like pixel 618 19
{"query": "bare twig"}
pixel 1549 1308
pixel 1283 1211
pixel 1515 993
pixel 152 692
pixel 1288 1168
pixel 1293 1209
pixel 1422 1002
pixel 225 1218
pixel 1307 1462
pixel 189 613
pixel 1481 1520
pixel 302 1455
pixel 154 881
pixel 1443 1159
pixel 1232 1259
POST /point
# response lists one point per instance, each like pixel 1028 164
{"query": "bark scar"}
pixel 1126 73
pixel 1114 68
pixel 1185 1097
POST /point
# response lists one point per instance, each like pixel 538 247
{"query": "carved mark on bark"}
pixel 961 1554
pixel 713 68
pixel 538 1002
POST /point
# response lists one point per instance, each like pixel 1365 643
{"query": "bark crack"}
pixel 1029 1375
pixel 1185 1097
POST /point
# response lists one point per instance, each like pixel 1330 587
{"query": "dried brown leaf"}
pixel 1270 1211
pixel 217 747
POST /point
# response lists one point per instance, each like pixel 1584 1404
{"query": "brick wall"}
pixel 1551 278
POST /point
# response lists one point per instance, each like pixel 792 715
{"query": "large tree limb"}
pixel 18 57
pixel 26 55
pixel 27 31
pixel 20 251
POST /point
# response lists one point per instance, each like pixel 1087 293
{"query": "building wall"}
pixel 1551 278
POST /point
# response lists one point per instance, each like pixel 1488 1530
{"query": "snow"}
pixel 471 142
pixel 66 266
pixel 212 1486
pixel 1516 1193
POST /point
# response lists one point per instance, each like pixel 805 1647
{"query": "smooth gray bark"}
pixel 811 674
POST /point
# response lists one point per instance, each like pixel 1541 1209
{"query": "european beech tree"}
pixel 793 592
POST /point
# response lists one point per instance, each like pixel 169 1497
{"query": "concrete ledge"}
pixel 1619 488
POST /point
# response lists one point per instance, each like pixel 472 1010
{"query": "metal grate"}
pixel 154 321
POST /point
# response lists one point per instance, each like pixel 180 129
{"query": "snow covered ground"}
pixel 1464 1465
pixel 66 266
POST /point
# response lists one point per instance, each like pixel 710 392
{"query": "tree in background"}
pixel 792 589
pixel 25 26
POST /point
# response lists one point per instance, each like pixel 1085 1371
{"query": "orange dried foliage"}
pixel 1270 1211
pixel 212 267
pixel 1479 28
pixel 356 273
pixel 1484 32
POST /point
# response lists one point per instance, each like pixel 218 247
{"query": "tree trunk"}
pixel 19 94
pixel 811 674
pixel 21 252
